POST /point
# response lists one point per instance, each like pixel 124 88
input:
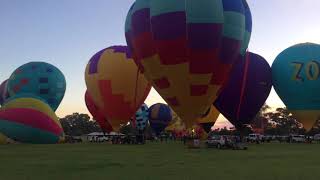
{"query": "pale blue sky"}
pixel 67 33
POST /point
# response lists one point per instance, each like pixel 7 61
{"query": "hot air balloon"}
pixel 295 74
pixel 40 79
pixel 186 48
pixel 209 119
pixel 115 84
pixel 4 92
pixel 160 116
pixel 97 114
pixel 246 91
pixel 28 119
pixel 142 117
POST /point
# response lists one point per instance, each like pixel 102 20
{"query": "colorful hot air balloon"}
pixel 116 85
pixel 246 91
pixel 160 116
pixel 4 95
pixel 186 48
pixel 295 74
pixel 40 79
pixel 209 119
pixel 97 114
pixel 28 119
pixel 142 117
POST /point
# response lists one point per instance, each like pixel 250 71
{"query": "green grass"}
pixel 159 161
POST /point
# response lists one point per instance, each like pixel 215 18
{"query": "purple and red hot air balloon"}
pixel 116 85
pixel 246 91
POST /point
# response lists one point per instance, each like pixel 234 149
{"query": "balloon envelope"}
pixel 115 84
pixel 160 116
pixel 246 91
pixel 28 119
pixel 186 48
pixel 295 74
pixel 40 79
pixel 209 119
pixel 97 114
pixel 4 94
pixel 142 117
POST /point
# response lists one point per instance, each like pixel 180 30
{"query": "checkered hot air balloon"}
pixel 186 48
pixel 116 85
pixel 4 94
pixel 29 119
pixel 160 116
pixel 142 117
pixel 40 79
pixel 97 114
pixel 246 91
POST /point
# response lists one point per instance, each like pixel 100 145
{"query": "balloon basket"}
pixel 194 144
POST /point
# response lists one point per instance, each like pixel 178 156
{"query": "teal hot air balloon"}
pixel 295 74
pixel 40 79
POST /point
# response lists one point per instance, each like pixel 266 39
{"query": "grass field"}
pixel 159 161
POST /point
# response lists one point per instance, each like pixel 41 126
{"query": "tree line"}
pixel 276 122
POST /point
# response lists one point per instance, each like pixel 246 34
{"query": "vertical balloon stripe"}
pixel 244 83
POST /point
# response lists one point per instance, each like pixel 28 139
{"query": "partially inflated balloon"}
pixel 142 117
pixel 295 74
pixel 116 85
pixel 40 79
pixel 4 94
pixel 246 91
pixel 160 116
pixel 3 139
pixel 209 119
pixel 28 119
pixel 177 126
pixel 97 114
pixel 186 48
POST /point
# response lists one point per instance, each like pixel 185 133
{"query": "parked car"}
pixel 72 139
pixel 216 141
pixel 269 138
pixel 316 137
pixel 297 138
pixel 254 138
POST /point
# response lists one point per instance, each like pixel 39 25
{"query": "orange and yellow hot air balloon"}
pixel 116 85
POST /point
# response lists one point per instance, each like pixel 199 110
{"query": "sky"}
pixel 66 33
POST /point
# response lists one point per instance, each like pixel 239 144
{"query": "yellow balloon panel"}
pixel 211 117
pixel 306 117
pixel 3 139
pixel 177 91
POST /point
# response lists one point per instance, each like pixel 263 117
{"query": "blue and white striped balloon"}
pixel 142 117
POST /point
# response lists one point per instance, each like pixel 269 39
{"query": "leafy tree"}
pixel 79 124
pixel 282 122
